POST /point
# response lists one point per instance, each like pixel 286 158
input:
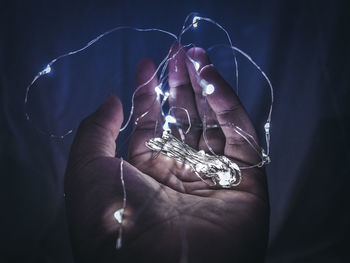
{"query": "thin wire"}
pixel 187 114
pixel 163 78
pixel 120 232
pixel 138 88
pixel 205 127
pixel 269 116
pixel 163 64
pixel 90 43
pixel 162 82
pixel 230 41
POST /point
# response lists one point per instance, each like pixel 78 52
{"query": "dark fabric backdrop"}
pixel 302 45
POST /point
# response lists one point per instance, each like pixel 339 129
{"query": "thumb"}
pixel 97 133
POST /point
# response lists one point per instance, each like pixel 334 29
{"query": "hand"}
pixel 171 215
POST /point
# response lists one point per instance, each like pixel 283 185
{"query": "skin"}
pixel 171 215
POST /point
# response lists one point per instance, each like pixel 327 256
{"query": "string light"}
pixel 46 70
pixel 158 90
pixel 195 21
pixel 209 89
pixel 219 169
pixel 119 214
pixel 196 65
pixel 168 119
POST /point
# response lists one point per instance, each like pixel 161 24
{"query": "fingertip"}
pixel 146 76
pixel 145 69
pixel 111 100
pixel 146 103
pixel 178 74
pixel 97 133
pixel 198 55
pixel 212 76
pixel 110 114
pixel 144 62
pixel 196 51
pixel 223 93
pixel 196 60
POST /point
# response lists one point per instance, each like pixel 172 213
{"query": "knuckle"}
pixel 228 113
pixel 235 139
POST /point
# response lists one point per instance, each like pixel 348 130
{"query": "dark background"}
pixel 302 45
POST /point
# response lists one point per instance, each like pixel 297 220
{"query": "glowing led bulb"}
pixel 118 215
pixel 166 127
pixel 267 127
pixel 195 21
pixel 170 119
pixel 158 90
pixel 46 70
pixel 209 89
pixel 196 65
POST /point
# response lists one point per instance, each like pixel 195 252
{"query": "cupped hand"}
pixel 171 215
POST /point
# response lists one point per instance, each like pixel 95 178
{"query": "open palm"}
pixel 171 215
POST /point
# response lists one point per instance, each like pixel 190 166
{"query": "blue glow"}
pixel 46 70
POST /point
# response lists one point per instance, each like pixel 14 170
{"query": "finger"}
pixel 213 137
pixel 145 96
pixel 182 95
pixel 148 127
pixel 147 114
pixel 230 113
pixel 97 133
pixel 199 56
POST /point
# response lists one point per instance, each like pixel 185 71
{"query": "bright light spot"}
pixel 158 90
pixel 166 127
pixel 118 215
pixel 209 89
pixel 46 70
pixel 170 119
pixel 196 65
pixel 195 21
pixel 267 127
pixel 166 96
